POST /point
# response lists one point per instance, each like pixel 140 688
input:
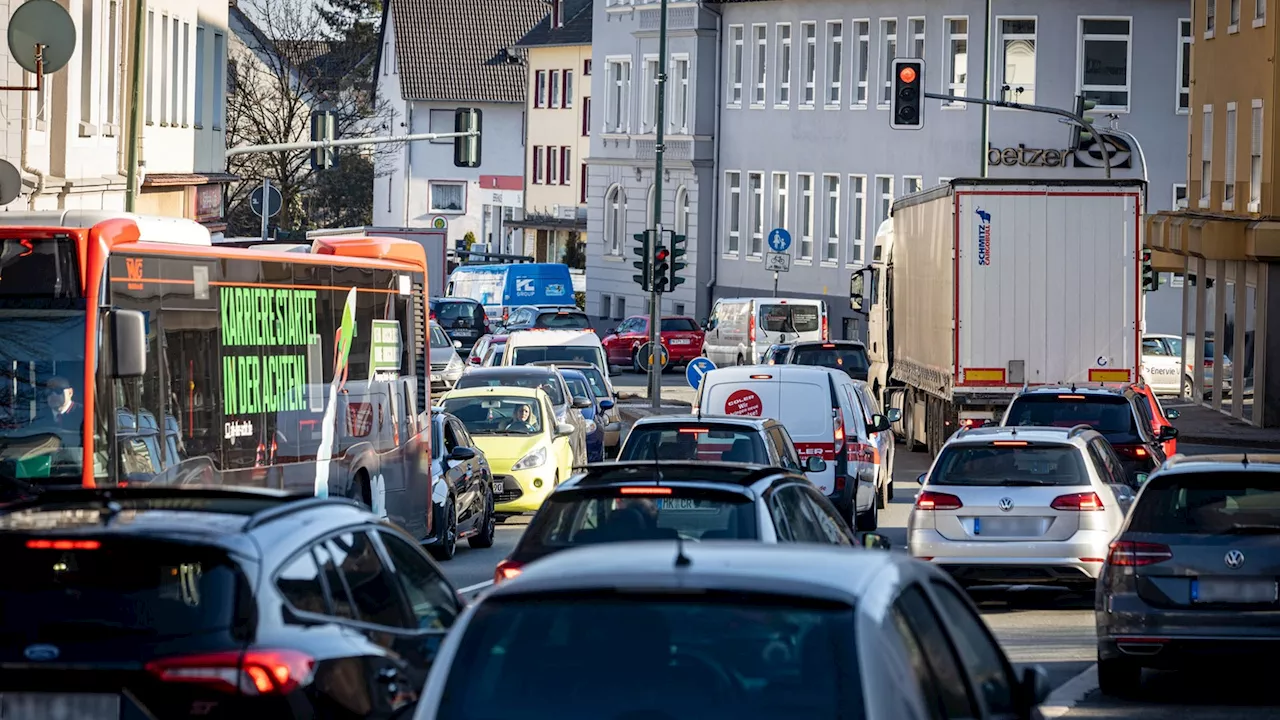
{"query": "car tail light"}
pixel 751 328
pixel 1208 363
pixel 826 334
pixel 255 672
pixel 63 544
pixel 1126 553
pixel 927 500
pixel 645 490
pixel 506 570
pixel 839 483
pixel 1131 451
pixel 970 423
pixel 1083 502
pixel 838 414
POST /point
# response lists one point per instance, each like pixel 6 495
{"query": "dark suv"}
pixel 462 319
pixel 175 602
pixel 1115 412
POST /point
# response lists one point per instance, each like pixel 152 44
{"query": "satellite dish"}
pixel 42 22
pixel 10 182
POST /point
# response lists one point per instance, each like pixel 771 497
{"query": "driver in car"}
pixel 521 420
pixel 64 411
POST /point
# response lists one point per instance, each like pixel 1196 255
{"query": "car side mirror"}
pixel 879 423
pixel 1167 432
pixel 1035 686
pixel 611 331
pixel 462 453
pixel 128 333
pixel 1172 414
pixel 876 541
pixel 563 429
pixel 606 404
pixel 922 478
pixel 894 415
pixel 815 464
pixel 581 403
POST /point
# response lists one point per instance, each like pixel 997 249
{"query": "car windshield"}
pixel 578 387
pixel 710 442
pixel 581 517
pixel 849 358
pixel 439 339
pixel 549 383
pixel 789 318
pixel 556 353
pixel 496 414
pixel 992 465
pixel 1110 415
pixel 678 325
pixel 596 378
pixel 1209 503
pixel 628 656
pixel 562 321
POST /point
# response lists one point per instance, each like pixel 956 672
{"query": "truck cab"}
pixel 868 294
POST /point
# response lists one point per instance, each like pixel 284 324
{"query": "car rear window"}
pixel 849 358
pixel 652 656
pixel 679 325
pixel 114 588
pixel 1209 503
pixel 789 318
pixel 1012 465
pixel 556 353
pixel 449 312
pixel 603 515
pixel 1110 415
pixel 715 443
pixel 562 321
pixel 549 384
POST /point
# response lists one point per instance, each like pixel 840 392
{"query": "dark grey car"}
pixel 1192 576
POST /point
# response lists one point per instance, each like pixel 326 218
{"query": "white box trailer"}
pixel 978 288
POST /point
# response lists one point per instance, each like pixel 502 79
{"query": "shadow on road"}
pixel 997 600
pixel 1203 693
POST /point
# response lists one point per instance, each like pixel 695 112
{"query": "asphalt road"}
pixel 1045 627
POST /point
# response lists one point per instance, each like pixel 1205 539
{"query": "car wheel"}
pixel 488 528
pixel 882 494
pixel 866 521
pixel 889 475
pixel 1118 677
pixel 445 548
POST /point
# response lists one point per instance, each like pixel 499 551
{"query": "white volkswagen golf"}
pixel 1021 506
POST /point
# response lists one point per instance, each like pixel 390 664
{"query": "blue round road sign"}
pixel 696 369
pixel 274 201
pixel 779 240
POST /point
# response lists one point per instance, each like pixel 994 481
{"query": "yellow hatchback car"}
pixel 516 429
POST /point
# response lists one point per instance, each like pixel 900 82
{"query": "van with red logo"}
pixel 820 409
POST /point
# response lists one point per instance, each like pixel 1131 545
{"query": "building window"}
pixel 956 74
pixel 1206 156
pixel 582 184
pixel 780 218
pixel 621 312
pixel 586 67
pixel 682 210
pixel 650 94
pixel 605 311
pixel 783 65
pixel 835 61
pixel 916 27
pixel 586 116
pixel 175 62
pixel 537 165
pixel 200 63
pixel 1210 17
pixel 888 51
pixel 831 190
pixel 163 78
pixel 1255 157
pixel 1179 196
pixel 761 35
pixel 756 183
pixel 615 219
pixel 86 68
pixel 540 89
pixel 805 181
pixel 1017 63
pixel 1234 16
pixel 151 67
pixel 111 102
pixel 566 165
pixel 557 99
pixel 1229 173
pixel 857 218
pixel 679 309
pixel 1184 66
pixel 809 62
pixel 735 64
pixel 680 95
pixel 862 62
pixel 1259 13
pixel 911 184
pixel 1104 63
pixel 553 165
pixel 619 101
pixel 447 196
pixel 219 79
pixel 884 185
pixel 733 208
pixel 186 66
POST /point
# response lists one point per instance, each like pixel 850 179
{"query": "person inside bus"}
pixel 65 412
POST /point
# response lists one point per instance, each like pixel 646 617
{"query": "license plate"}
pixel 465 333
pixel 680 342
pixel 74 706
pixel 1008 526
pixel 686 504
pixel 1243 591
pixel 498 487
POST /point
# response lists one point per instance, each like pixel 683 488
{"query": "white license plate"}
pixel 1008 526
pixel 1225 590
pixel 465 333
pixel 686 504
pixel 73 706
pixel 498 486
pixel 680 341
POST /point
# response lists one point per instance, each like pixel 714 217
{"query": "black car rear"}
pixel 1112 414
pixel 461 319
pixel 850 357
pixel 706 441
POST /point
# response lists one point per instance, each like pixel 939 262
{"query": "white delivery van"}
pixel 539 345
pixel 739 330
pixel 820 409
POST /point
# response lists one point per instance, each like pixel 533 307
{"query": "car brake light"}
pixel 1078 501
pixel 694 431
pixel 256 672
pixel 1127 553
pixel 761 377
pixel 751 328
pixel 828 346
pixel 506 570
pixel 63 544
pixel 1208 363
pixel 927 500
pixel 1134 451
pixel 645 490
pixel 1070 397
pixel 1010 443
pixel 826 334
pixel 838 414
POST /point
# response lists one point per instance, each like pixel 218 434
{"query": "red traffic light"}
pixel 907 74
pixel 662 254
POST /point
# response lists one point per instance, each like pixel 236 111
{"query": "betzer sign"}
pixel 1089 155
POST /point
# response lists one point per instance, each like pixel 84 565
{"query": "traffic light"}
pixel 323 127
pixel 1150 278
pixel 662 269
pixel 677 252
pixel 466 150
pixel 645 264
pixel 908 95
pixel 1080 134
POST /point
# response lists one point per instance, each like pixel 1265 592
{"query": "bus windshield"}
pixel 41 410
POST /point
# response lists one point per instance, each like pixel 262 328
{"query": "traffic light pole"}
pixel 1080 120
pixel 655 299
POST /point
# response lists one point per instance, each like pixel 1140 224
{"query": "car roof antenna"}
pixel 682 560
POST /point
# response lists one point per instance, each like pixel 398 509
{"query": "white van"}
pixel 796 396
pixel 538 345
pixel 739 330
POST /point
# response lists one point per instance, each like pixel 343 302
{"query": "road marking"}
pixel 1061 701
pixel 477 586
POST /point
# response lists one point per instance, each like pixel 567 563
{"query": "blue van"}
pixel 503 287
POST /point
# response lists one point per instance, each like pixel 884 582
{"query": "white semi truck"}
pixel 979 288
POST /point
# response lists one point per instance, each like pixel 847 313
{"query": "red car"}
pixel 1158 416
pixel 681 336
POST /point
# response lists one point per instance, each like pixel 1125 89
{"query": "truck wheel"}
pixel 909 420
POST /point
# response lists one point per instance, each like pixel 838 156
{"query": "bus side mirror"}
pixel 128 333
pixel 856 292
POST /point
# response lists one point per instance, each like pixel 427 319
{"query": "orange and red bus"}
pixel 134 350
